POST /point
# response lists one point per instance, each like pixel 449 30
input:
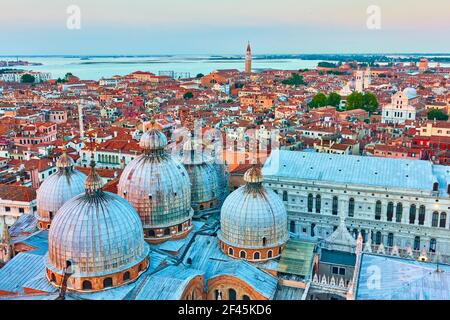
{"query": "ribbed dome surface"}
pixel 253 217
pixel 57 189
pixel 202 173
pixel 99 233
pixel 157 186
pixel 153 140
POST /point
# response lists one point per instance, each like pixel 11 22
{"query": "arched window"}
pixel 334 210
pixel 107 282
pixel 264 241
pixel 151 233
pixel 435 219
pixel 243 254
pixel 435 186
pixel 448 189
pixel 390 240
pixel 231 294
pixel 318 203
pixel 378 210
pixel 313 225
pixel 269 254
pixel 417 243
pixel 230 251
pixel 399 212
pixel 412 214
pixel 351 207
pixel 310 202
pixel 433 245
pixel 421 215
pixel 87 285
pixel 256 256
pixel 285 196
pixel 126 276
pixel 390 211
pixel 292 226
pixel 216 294
pixel 167 232
pixel 378 238
pixel 245 297
pixel 443 220
pixel 180 227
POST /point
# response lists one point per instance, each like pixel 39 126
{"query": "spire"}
pixel 6 245
pixel 253 176
pixel 341 239
pixel 93 183
pixel 248 59
pixel 65 162
pixel 6 238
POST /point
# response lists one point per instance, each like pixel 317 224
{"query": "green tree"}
pixel 294 80
pixel 200 75
pixel 370 102
pixel 334 99
pixel 188 95
pixel 27 78
pixel 319 100
pixel 367 101
pixel 325 64
pixel 437 114
pixel 355 101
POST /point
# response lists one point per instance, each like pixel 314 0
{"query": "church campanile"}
pixel 248 59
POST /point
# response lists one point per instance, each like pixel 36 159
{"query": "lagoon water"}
pixel 94 68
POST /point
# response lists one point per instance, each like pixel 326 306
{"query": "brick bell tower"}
pixel 248 59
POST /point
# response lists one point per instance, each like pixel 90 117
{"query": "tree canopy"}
pixel 334 99
pixel 27 78
pixel 366 101
pixel 319 100
pixel 294 80
pixel 322 100
pixel 188 95
pixel 437 114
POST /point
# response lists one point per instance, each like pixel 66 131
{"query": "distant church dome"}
pixel 253 221
pixel 96 236
pixel 410 93
pixel 57 189
pixel 203 175
pixel 159 189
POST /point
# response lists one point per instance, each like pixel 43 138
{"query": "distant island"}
pixel 15 63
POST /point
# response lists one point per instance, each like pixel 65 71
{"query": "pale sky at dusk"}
pixel 223 27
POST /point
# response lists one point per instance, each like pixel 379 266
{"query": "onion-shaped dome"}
pixel 57 189
pixel 253 221
pixel 97 237
pixel 159 189
pixel 203 176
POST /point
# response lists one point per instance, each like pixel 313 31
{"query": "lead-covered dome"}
pixel 57 189
pixel 159 189
pixel 205 192
pixel 99 236
pixel 253 221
